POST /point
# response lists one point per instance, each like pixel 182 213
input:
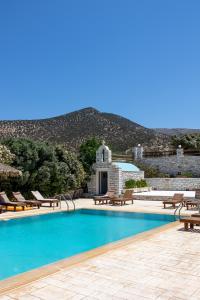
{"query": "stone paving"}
pixel 164 266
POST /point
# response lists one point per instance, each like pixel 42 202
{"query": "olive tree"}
pixel 6 157
pixel 50 169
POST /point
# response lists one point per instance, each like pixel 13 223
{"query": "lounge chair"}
pixel 176 199
pixel 190 221
pixel 20 198
pixel 195 201
pixel 43 200
pixel 127 197
pixel 6 202
pixel 105 199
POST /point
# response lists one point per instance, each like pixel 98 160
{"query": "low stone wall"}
pixel 173 166
pixel 174 184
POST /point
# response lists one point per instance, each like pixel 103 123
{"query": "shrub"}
pixel 131 183
pixel 141 183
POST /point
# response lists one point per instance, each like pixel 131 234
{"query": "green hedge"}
pixel 131 183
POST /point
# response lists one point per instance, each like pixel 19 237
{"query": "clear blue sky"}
pixel 140 59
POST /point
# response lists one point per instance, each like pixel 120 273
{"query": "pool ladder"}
pixel 68 199
pixel 178 210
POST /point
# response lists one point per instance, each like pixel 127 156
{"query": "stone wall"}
pixel 174 184
pixel 92 185
pixel 115 180
pixel 173 165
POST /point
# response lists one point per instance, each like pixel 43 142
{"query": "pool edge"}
pixel 26 278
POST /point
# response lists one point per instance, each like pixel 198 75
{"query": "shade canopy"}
pixel 8 171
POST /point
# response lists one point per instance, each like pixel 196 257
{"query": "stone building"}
pixel 109 175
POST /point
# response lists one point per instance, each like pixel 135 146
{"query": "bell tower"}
pixel 103 155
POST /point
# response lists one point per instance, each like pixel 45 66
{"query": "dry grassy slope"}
pixel 177 131
pixel 74 128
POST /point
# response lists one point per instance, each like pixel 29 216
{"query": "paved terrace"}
pixel 163 264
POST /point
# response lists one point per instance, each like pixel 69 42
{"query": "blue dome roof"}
pixel 126 167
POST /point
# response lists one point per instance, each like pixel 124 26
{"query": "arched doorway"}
pixel 103 182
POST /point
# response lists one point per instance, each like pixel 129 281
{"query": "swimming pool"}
pixel 32 242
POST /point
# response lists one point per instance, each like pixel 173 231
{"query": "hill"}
pixel 73 128
pixel 176 131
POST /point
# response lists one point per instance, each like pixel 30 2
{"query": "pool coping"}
pixel 87 208
pixel 41 213
pixel 26 278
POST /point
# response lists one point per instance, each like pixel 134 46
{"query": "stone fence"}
pixel 173 165
pixel 173 184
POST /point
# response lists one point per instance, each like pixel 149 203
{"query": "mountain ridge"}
pixel 73 128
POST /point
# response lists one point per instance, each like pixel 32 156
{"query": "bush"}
pixel 50 169
pixel 131 183
pixel 141 183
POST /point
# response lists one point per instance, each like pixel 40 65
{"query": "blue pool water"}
pixel 31 242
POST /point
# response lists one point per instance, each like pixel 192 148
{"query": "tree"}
pixel 6 157
pixel 50 169
pixel 87 154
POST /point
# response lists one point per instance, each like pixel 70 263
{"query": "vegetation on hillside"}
pixel 50 169
pixel 77 127
pixel 188 141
